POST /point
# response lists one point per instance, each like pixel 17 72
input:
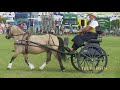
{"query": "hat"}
pixel 93 14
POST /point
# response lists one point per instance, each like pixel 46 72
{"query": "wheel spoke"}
pixel 94 54
pixel 81 62
pixel 88 65
pixel 85 55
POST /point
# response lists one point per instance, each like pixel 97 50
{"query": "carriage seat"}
pixel 99 32
pixel 94 41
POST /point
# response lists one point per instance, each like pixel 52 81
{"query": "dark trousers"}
pixel 80 39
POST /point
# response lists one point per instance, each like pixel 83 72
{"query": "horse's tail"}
pixel 61 48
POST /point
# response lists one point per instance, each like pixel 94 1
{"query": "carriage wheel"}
pixel 92 59
pixel 74 61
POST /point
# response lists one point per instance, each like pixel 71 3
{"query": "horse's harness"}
pixel 25 41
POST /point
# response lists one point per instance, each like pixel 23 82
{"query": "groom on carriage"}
pixel 89 32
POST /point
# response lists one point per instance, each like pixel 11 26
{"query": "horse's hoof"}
pixel 8 68
pixel 63 70
pixel 13 50
pixel 33 68
pixel 40 69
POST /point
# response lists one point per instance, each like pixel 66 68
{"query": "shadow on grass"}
pixel 51 69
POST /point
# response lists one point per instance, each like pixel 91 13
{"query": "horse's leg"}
pixel 47 61
pixel 12 59
pixel 28 63
pixel 57 55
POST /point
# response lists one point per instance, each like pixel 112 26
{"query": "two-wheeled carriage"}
pixel 91 57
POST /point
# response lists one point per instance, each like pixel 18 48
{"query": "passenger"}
pixel 87 33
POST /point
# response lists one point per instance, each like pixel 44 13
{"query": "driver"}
pixel 87 33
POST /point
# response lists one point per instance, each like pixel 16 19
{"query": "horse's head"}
pixel 12 31
pixel 8 32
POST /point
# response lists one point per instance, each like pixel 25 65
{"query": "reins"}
pixel 18 34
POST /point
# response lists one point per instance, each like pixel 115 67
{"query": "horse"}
pixel 26 43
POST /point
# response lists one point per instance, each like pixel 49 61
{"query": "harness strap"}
pixel 27 42
pixel 49 40
pixel 18 34
pixel 24 39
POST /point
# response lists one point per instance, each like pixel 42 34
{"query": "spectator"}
pixel 3 27
pixel 79 27
pixel 24 27
pixel 71 28
pixel 21 26
pixel 1 31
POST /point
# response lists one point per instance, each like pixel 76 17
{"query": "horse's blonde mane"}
pixel 16 28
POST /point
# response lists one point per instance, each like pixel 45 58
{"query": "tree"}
pixel 2 19
pixel 115 23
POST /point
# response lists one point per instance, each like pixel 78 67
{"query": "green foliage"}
pixel 115 23
pixel 3 20
pixel 104 23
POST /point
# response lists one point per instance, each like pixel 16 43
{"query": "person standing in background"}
pixel 1 31
pixel 3 27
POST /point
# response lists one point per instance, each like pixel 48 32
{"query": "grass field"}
pixel 111 44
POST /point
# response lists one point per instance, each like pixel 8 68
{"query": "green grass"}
pixel 111 44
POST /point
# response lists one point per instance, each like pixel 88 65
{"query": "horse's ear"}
pixel 8 27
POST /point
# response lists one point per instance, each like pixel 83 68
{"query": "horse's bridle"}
pixel 12 35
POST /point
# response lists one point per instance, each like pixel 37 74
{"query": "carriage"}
pixel 90 59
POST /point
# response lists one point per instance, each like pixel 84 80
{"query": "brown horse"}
pixel 26 43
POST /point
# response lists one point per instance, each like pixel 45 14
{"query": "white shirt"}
pixel 93 23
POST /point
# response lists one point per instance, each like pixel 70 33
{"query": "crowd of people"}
pixel 56 29
pixel 3 26
pixel 23 26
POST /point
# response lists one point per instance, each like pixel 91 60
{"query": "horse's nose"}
pixel 6 37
